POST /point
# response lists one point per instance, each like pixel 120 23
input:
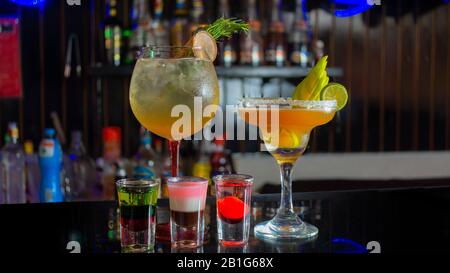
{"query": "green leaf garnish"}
pixel 226 27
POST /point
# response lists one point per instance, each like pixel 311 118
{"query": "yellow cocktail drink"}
pixel 292 129
pixel 285 126
pixel 158 85
pixel 171 89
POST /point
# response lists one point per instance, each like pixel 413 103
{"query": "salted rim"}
pixel 288 102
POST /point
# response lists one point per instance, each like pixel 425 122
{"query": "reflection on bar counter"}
pixel 12 168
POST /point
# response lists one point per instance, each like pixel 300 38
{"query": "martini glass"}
pixel 285 126
pixel 165 77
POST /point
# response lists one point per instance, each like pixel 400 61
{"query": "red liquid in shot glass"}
pixel 233 210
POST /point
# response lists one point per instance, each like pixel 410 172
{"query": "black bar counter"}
pixel 352 221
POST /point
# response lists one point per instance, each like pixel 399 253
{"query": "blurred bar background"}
pixel 395 60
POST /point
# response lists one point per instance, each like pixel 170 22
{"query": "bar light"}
pixel 28 3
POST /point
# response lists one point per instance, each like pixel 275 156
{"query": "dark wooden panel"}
pixel 447 108
pixel 382 83
pixel 348 84
pixel 365 86
pixel 30 74
pixel 416 81
pixel 398 81
pixel 431 108
pixel 316 25
pixel 62 51
pixel 41 69
pixel 331 61
pixel 126 117
pixel 87 54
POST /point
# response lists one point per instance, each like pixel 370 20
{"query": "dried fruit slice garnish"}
pixel 204 45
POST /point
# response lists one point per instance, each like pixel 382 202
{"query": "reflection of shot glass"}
pixel 233 197
pixel 187 197
pixel 221 248
pixel 137 203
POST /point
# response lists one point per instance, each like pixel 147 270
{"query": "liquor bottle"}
pixel 2 181
pixel 66 180
pixel 13 165
pixel 219 160
pixel 128 55
pixel 113 232
pixel 163 212
pixel 275 51
pixel 160 27
pixel 112 34
pixel 166 170
pixel 300 54
pixel 50 162
pixel 111 144
pixel 2 173
pixel 6 138
pixel 251 45
pixel 32 173
pixel 111 155
pixel 159 153
pixel 120 173
pixel 197 16
pixel 142 23
pixel 202 166
pixel 318 51
pixel 145 158
pixel 147 23
pixel 142 33
pixel 227 50
pixel 81 168
pixel 180 26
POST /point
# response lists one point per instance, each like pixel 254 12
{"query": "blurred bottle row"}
pixel 54 175
pixel 267 42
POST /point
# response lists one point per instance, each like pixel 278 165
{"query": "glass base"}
pixel 186 244
pixel 232 243
pixel 137 249
pixel 286 230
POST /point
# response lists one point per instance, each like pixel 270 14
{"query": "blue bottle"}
pixel 50 163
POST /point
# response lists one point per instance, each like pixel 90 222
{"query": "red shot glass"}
pixel 233 200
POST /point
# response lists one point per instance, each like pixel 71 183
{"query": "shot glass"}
pixel 137 205
pixel 187 197
pixel 233 199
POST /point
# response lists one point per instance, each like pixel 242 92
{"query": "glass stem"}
pixel 174 155
pixel 286 207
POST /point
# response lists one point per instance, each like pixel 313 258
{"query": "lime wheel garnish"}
pixel 337 92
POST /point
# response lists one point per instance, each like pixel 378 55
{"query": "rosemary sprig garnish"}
pixel 226 27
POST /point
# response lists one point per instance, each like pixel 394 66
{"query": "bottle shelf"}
pixel 270 72
pixel 225 72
